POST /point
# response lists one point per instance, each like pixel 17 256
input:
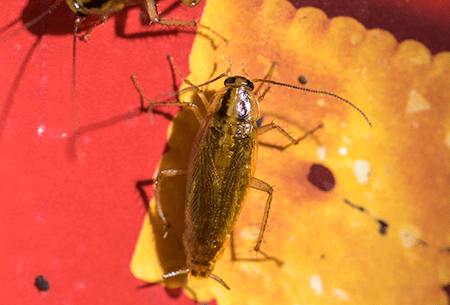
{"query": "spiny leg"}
pixel 265 128
pixel 150 7
pixel 265 187
pixel 175 67
pixel 152 104
pixel 194 87
pixel 101 21
pixel 267 77
pixel 199 91
pixel 191 106
pixel 266 257
pixel 161 175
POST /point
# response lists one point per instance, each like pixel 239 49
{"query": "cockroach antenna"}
pixel 315 91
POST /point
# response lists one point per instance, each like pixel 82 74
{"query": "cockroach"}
pixel 221 168
pixel 103 9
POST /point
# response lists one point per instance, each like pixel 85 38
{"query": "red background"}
pixel 75 224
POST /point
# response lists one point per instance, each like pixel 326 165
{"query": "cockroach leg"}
pixel 260 185
pixel 101 21
pixel 150 7
pixel 265 128
pixel 266 257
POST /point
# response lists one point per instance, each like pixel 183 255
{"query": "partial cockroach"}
pixel 104 8
pixel 101 9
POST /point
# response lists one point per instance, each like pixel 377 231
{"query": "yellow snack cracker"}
pixel 398 171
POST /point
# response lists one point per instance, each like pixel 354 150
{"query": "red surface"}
pixel 75 224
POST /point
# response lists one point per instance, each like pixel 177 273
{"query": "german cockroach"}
pixel 101 10
pixel 105 8
pixel 221 169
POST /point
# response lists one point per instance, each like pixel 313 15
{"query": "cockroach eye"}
pixel 249 84
pixel 230 81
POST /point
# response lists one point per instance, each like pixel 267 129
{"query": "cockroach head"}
pixel 239 81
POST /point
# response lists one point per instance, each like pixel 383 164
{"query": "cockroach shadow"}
pixel 184 127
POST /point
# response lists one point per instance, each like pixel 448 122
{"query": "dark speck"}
pixel 383 226
pixel 302 79
pixel 321 177
pixel 41 284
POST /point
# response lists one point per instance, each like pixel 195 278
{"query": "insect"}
pixel 103 9
pixel 221 168
pixel 100 10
